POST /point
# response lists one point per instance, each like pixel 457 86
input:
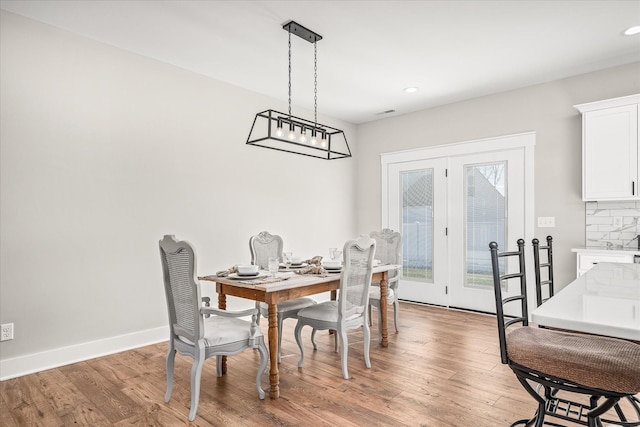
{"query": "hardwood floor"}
pixel 441 369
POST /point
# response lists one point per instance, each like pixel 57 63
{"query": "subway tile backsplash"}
pixel 612 224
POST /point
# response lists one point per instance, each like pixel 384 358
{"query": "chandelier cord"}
pixel 315 83
pixel 289 73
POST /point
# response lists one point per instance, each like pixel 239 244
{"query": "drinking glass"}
pixel 332 253
pixel 337 255
pixel 274 265
pixel 287 259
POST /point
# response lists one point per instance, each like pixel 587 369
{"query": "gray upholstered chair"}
pixel 191 333
pixel 264 246
pixel 349 311
pixel 602 369
pixel 388 251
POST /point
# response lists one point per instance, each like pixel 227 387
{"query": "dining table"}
pixel 605 300
pixel 286 285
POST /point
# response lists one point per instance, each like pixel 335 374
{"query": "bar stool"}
pixel 538 266
pixel 605 369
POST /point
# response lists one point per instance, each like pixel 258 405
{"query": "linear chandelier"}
pixel 285 132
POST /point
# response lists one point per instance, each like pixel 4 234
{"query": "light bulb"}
pixel 279 131
pixel 292 132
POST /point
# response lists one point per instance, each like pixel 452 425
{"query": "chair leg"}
pixel 369 310
pixel 344 351
pixel 367 343
pixel 280 321
pixel 171 357
pixel 396 309
pixel 219 367
pixel 264 358
pixel 196 373
pixel 298 335
pixel 313 338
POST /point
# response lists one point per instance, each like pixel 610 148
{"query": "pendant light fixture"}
pixel 285 132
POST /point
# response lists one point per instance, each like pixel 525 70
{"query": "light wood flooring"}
pixel 441 369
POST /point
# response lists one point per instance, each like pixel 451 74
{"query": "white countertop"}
pixel 604 301
pixel 607 251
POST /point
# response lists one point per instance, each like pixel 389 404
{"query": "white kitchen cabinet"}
pixel 588 257
pixel 610 154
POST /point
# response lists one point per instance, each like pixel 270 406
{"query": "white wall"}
pixel 546 109
pixel 102 153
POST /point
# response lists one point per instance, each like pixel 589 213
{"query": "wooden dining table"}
pixel 603 301
pixel 292 285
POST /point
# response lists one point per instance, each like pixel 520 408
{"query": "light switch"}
pixel 546 221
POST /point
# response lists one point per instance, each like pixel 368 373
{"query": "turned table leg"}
pixel 274 376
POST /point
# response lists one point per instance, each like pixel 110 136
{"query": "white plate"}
pixel 332 269
pixel 304 264
pixel 236 276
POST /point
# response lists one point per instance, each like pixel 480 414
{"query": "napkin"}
pixel 316 260
pixel 225 273
pixel 312 269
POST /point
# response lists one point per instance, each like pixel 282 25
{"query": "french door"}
pixel 419 200
pixel 449 202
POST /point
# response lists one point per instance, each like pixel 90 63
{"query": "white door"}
pixel 486 203
pixel 450 202
pixel 418 210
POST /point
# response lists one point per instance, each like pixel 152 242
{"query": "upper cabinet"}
pixel 610 154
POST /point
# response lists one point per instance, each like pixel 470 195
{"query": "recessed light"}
pixel 632 31
pixel 410 89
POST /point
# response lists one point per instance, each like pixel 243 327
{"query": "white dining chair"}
pixel 264 246
pixel 349 311
pixel 192 334
pixel 388 251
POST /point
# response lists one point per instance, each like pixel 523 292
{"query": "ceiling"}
pixel 370 51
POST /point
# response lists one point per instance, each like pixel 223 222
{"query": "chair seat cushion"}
pixel 374 294
pixel 289 305
pixel 593 361
pixel 328 312
pixel 219 330
pixel 325 311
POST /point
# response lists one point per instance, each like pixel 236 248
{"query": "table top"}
pixel 604 301
pixel 290 280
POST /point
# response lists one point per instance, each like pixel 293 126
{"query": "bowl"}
pixel 332 263
pixel 247 270
pixel 296 260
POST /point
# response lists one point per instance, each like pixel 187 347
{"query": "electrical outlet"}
pixel 617 221
pixel 546 221
pixel 7 332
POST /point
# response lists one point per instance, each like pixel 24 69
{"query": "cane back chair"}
pixel 192 334
pixel 264 246
pixel 349 311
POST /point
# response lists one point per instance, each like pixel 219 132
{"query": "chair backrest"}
pixel 539 266
pixel 388 249
pixel 355 279
pixel 181 288
pixel 264 246
pixel 498 278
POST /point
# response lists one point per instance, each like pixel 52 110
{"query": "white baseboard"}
pixel 36 362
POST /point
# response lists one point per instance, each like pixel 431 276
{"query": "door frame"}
pixel 525 141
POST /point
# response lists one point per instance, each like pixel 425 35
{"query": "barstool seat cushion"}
pixel 589 360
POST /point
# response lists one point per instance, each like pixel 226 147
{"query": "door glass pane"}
pixel 417 224
pixel 485 219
